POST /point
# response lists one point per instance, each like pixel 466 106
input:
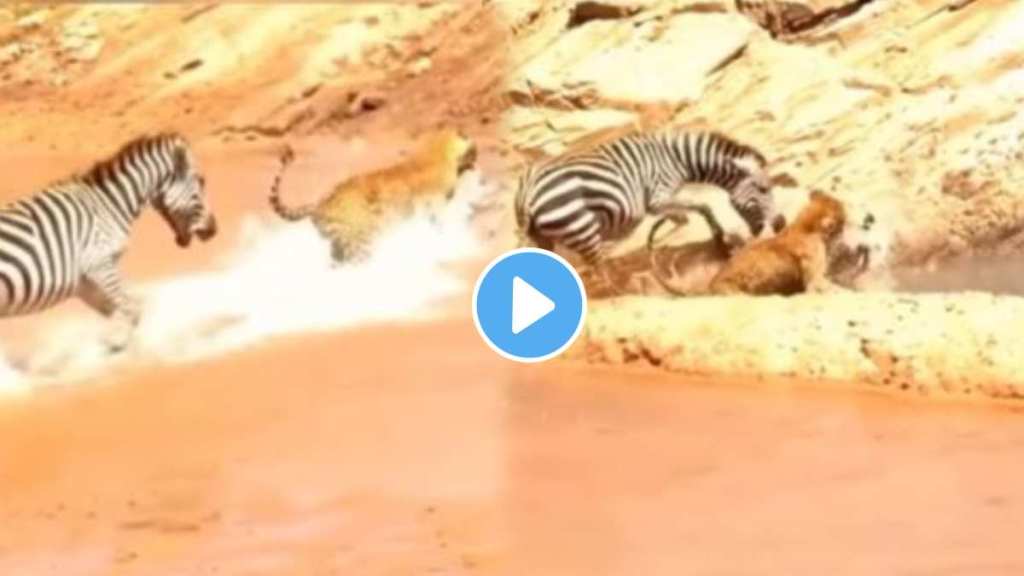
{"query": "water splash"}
pixel 12 381
pixel 279 279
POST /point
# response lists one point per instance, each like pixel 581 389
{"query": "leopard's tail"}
pixel 292 214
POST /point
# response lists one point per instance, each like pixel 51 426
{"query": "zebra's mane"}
pixel 746 149
pixel 594 144
pixel 98 171
pixel 743 150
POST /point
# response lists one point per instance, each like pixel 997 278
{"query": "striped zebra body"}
pixel 586 200
pixel 67 239
pixel 40 237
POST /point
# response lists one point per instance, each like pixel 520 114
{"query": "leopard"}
pixel 353 215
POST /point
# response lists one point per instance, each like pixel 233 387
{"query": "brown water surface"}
pixel 415 450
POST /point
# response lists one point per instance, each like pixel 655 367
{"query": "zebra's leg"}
pixel 543 244
pixel 606 273
pixel 676 210
pixel 102 289
pixel 596 261
pixel 525 239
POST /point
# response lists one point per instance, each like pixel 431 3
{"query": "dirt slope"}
pixel 224 72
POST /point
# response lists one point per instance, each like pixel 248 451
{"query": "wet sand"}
pixel 335 455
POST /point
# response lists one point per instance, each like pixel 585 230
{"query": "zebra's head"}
pixel 752 196
pixel 182 199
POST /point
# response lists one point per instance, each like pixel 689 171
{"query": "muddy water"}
pixel 412 449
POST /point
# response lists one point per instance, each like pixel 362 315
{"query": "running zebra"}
pixel 67 239
pixel 584 200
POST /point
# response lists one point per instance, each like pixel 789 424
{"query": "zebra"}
pixel 585 200
pixel 67 239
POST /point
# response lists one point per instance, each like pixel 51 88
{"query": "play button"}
pixel 529 305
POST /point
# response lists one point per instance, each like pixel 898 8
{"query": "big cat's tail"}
pixel 290 214
pixel 658 270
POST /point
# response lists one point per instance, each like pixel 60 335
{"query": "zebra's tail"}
pixel 285 212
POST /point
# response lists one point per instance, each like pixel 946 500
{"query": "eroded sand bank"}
pixel 955 346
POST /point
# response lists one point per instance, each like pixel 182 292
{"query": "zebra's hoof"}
pixel 115 347
pixel 727 244
pixel 118 341
pixel 722 248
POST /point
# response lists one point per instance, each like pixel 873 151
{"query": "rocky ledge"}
pixel 959 346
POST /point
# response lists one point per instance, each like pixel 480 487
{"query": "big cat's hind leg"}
pixel 349 249
pixel 350 225
pixel 338 252
pixel 352 244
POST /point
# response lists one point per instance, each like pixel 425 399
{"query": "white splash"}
pixel 280 279
pixel 11 381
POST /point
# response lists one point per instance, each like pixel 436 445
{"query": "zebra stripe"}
pixel 584 200
pixel 67 239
